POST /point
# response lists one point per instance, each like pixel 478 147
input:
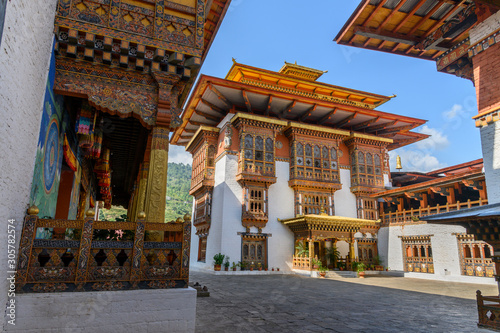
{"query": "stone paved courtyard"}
pixel 292 303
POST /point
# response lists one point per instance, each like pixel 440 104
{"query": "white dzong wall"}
pixel 281 205
pixel 490 142
pixel 25 51
pixel 345 200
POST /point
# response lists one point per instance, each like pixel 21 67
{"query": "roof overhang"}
pixel 424 186
pixel 214 98
pixel 427 29
pixel 325 222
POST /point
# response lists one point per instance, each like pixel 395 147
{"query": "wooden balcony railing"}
pixel 419 264
pixel 302 263
pixel 88 264
pixel 488 308
pixel 478 267
pixel 412 215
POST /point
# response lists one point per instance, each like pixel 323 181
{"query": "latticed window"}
pixel 314 162
pixel 367 208
pixel 202 249
pixel 258 155
pixel 475 256
pixel 257 201
pixel 418 254
pixel 313 203
pixel 366 169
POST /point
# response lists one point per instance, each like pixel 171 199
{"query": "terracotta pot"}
pixel 322 274
pixel 251 268
pixel 260 268
pixel 278 269
pixel 234 269
pixel 361 275
pixel 272 269
pixel 216 267
pixel 226 268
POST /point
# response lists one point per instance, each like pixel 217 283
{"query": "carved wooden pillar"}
pixel 351 252
pixel 311 252
pixel 157 175
pixel 143 180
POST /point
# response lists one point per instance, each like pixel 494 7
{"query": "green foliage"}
pixel 333 254
pixel 226 263
pixel 302 249
pixel 115 213
pixel 316 262
pixel 179 202
pixel 358 266
pixel 377 260
pixel 322 268
pixel 219 259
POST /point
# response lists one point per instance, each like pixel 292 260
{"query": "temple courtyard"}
pixel 292 303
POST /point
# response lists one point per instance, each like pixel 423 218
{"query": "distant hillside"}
pixel 179 202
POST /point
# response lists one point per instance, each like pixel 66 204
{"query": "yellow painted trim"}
pixel 200 129
pixel 328 89
pixel 240 115
pixel 330 219
pixel 319 128
pixel 370 137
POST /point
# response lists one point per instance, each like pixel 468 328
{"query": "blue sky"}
pixel 266 33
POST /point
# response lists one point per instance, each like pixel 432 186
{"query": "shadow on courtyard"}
pixel 291 303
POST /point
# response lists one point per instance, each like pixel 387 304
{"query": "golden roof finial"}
pixel 234 60
pixel 398 163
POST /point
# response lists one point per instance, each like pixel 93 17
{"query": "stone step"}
pixel 341 274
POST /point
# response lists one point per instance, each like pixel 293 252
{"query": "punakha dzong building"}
pixel 280 158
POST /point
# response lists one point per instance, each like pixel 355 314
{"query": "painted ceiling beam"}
pixel 197 123
pixel 287 109
pixel 391 37
pixel 307 113
pixel 206 115
pixel 328 116
pixel 213 107
pixel 346 120
pixel 220 96
pixel 269 102
pixel 365 124
pixel 368 20
pixel 396 130
pixel 247 101
pixel 381 126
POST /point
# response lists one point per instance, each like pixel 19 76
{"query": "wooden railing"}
pixel 88 264
pixel 301 263
pixel 488 308
pixel 419 264
pixel 412 215
pixel 478 267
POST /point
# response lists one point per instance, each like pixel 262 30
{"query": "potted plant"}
pixel 322 270
pixel 316 263
pixel 333 254
pixel 251 266
pixel 233 266
pixel 360 268
pixel 242 265
pixel 272 269
pixel 341 266
pixel 278 269
pixel 378 263
pixel 302 250
pixel 218 260
pixel 259 266
pixel 226 264
pixel 265 268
